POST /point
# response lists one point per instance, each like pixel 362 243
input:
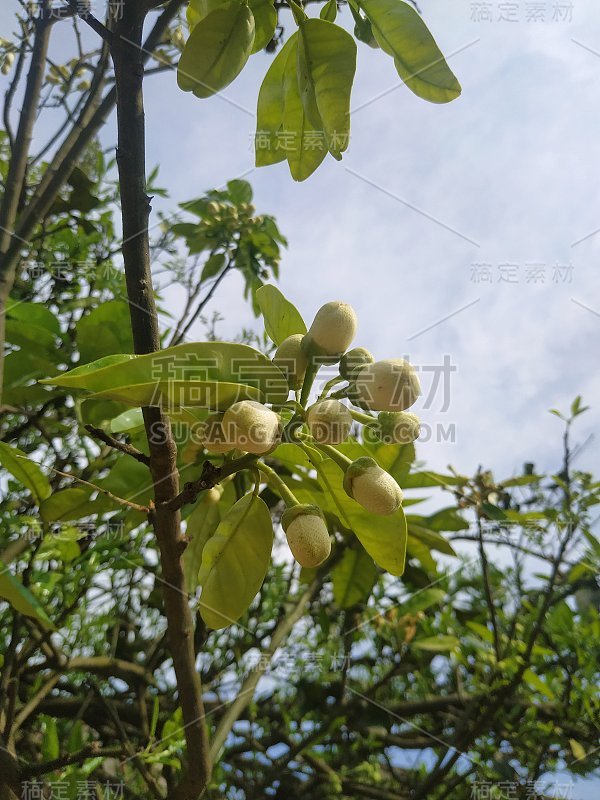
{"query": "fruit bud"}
pixel 397 427
pixel 332 331
pixel 213 435
pixel 329 422
pixel 372 487
pixel 390 385
pixel 353 360
pixel 213 208
pixel 291 360
pixel 213 495
pixel 252 427
pixel 307 535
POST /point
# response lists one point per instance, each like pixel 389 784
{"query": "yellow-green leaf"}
pixel 401 33
pixel 265 21
pixel 282 318
pixel 235 561
pixel 305 145
pixel 577 749
pixel 269 114
pixel 217 50
pixel 326 67
pixel 197 363
pixel 437 644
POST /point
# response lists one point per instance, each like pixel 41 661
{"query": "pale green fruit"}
pixel 332 330
pixel 307 535
pixel 397 427
pixel 213 435
pixel 252 427
pixel 351 361
pixel 372 487
pixel 390 385
pixel 291 360
pixel 329 421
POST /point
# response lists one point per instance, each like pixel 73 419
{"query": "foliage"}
pixel 304 101
pixel 330 679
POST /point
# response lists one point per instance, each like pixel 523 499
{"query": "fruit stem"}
pixel 280 487
pixel 365 419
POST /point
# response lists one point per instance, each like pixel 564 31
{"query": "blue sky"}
pixel 462 231
pixel 509 166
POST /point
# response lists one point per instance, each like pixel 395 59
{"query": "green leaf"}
pixel 536 682
pixel 33 313
pixel 282 318
pixel 305 144
pixel 426 479
pixel 269 114
pixel 198 9
pixel 421 601
pixel 384 538
pixel 353 578
pixel 432 539
pixel 493 512
pixel 201 525
pixel 446 519
pixel 25 471
pixel 200 370
pixel 522 480
pixel 326 67
pixel 265 21
pixel 216 395
pixel 130 421
pixel 239 191
pixel 217 50
pixel 72 504
pixel 213 265
pixel 105 331
pixel 21 599
pixel 437 644
pixel 329 11
pixel 401 33
pixel 235 561
pixel 50 744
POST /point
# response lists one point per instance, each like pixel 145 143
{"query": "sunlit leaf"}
pixel 217 50
pixel 282 318
pixel 401 33
pixel 235 561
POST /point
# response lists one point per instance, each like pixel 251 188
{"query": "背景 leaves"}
pixel 208 374
pixel 282 318
pixel 401 33
pixel 25 471
pixel 353 578
pixel 217 49
pixel 20 598
pixel 326 64
pixel 235 561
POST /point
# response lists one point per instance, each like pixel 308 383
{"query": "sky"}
pixel 451 229
pixel 465 234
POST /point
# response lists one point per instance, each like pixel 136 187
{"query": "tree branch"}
pixel 129 449
pixel 128 59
